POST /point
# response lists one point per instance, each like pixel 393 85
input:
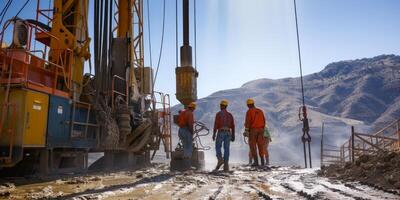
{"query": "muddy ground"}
pixel 158 182
pixel 381 170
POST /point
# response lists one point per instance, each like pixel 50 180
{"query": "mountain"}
pixel 363 93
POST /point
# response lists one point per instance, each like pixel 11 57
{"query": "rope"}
pixel 161 46
pixel 149 30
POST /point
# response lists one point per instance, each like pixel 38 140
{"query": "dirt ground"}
pixel 380 171
pixel 158 182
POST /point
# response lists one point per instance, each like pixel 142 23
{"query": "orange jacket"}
pixel 224 119
pixel 186 119
pixel 254 118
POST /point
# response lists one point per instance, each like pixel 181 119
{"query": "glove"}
pixel 213 137
pixel 233 138
pixel 246 133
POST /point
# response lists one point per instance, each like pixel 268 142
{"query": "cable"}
pixel 176 33
pixel 306 128
pixel 2 10
pixel 27 1
pixel 195 35
pixel 149 30
pixel 5 9
pixel 299 52
pixel 161 46
pixel 199 127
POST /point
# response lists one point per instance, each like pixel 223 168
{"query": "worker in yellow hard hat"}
pixel 186 132
pixel 254 129
pixel 250 102
pixel 224 132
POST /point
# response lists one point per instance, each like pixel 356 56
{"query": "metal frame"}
pixel 165 115
pixel 30 68
pixel 137 39
pixel 386 139
pixel 113 91
pixel 86 124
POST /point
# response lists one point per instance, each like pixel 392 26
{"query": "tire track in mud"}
pixel 216 193
pixel 261 193
pixel 300 193
pixel 373 192
pixel 310 186
pixel 343 192
pixel 241 183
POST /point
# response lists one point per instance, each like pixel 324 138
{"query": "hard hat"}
pixel 192 105
pixel 224 102
pixel 250 101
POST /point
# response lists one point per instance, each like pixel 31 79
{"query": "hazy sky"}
pixel 242 40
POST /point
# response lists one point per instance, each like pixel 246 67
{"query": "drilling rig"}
pixel 53 114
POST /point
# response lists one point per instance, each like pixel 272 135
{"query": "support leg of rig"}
pixel 305 153
pixel 309 152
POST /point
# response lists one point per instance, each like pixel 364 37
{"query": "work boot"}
pixel 262 161
pixel 226 166
pixel 219 164
pixel 255 164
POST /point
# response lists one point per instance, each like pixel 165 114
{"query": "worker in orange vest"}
pixel 224 132
pixel 254 128
pixel 185 132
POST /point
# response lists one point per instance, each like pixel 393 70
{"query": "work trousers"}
pixel 257 141
pixel 225 138
pixel 266 146
pixel 187 141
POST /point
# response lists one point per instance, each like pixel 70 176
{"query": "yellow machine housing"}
pixel 24 124
pixel 186 84
pixel 31 109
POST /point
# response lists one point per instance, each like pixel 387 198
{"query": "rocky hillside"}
pixel 363 92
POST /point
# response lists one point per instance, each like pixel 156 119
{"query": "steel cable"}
pixel 27 1
pixel 198 128
pixel 306 136
pixel 4 11
pixel 195 35
pixel 161 46
pixel 299 53
pixel 176 34
pixel 5 7
pixel 149 32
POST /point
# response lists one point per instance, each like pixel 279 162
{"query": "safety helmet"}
pixel 224 102
pixel 250 101
pixel 192 105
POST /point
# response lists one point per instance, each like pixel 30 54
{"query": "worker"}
pixel 254 128
pixel 185 132
pixel 267 136
pixel 223 134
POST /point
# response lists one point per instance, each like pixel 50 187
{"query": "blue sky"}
pixel 242 40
